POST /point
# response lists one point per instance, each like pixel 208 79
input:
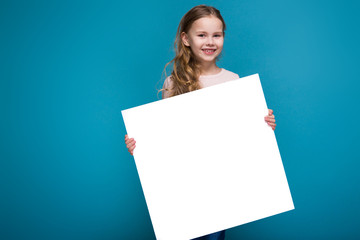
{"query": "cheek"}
pixel 196 46
pixel 220 43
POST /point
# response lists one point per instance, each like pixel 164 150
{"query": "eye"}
pixel 201 35
pixel 217 35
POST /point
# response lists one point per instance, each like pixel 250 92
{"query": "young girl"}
pixel 199 42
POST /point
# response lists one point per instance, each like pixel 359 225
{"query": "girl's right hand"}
pixel 130 144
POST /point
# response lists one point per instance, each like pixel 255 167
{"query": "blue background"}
pixel 68 68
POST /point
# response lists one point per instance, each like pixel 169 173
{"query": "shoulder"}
pixel 167 87
pixel 168 81
pixel 221 77
pixel 231 74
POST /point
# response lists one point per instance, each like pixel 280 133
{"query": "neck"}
pixel 209 68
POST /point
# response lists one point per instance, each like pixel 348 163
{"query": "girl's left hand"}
pixel 270 119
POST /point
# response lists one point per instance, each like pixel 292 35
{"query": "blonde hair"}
pixel 185 69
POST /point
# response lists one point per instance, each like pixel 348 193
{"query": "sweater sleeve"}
pixel 167 87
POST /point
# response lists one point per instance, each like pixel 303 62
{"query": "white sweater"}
pixel 205 80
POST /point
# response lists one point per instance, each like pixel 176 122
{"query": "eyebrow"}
pixel 207 32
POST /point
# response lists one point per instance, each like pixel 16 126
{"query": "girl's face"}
pixel 205 38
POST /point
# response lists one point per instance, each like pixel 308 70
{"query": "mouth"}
pixel 209 51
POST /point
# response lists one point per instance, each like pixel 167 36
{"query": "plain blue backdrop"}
pixel 68 68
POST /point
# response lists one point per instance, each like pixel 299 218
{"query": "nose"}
pixel 210 41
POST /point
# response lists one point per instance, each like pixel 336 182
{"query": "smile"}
pixel 209 51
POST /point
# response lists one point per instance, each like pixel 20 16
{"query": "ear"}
pixel 185 39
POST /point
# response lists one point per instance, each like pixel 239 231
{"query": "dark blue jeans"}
pixel 214 236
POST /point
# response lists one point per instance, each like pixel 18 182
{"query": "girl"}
pixel 199 42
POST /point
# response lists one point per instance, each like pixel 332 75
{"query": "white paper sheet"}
pixel 207 160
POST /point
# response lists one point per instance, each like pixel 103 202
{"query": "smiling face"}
pixel 205 38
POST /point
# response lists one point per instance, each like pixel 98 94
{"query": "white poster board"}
pixel 207 160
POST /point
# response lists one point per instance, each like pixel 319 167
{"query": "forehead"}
pixel 207 24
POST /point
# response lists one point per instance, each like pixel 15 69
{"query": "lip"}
pixel 208 51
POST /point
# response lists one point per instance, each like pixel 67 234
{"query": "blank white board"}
pixel 207 160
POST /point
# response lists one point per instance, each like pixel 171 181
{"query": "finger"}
pixel 129 141
pixel 271 123
pixel 270 112
pixel 127 137
pixel 131 149
pixel 269 117
pixel 272 126
pixel 129 145
pixel 272 120
pixel 131 152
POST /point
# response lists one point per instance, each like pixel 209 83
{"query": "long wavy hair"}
pixel 185 69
